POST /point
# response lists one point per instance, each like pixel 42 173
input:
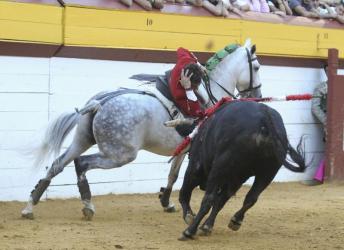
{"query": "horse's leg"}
pixel 81 142
pixel 94 161
pixel 84 189
pixel 259 184
pixel 221 198
pixel 172 177
pixel 56 168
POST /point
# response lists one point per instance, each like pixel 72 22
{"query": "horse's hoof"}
pixel 205 230
pixel 88 213
pixel 170 208
pixel 28 216
pixel 186 236
pixel 234 225
pixel 189 218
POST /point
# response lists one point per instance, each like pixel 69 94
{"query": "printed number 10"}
pixel 149 22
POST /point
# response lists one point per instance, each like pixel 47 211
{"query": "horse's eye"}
pixel 256 68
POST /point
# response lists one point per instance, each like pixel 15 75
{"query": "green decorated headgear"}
pixel 218 56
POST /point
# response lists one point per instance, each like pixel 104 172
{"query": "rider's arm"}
pixel 192 108
pixel 185 82
pixel 190 94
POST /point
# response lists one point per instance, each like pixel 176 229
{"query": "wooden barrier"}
pixel 335 120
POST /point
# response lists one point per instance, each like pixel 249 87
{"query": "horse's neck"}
pixel 225 74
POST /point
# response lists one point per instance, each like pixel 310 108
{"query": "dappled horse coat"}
pixel 241 139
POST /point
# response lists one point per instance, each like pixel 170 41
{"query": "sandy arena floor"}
pixel 287 216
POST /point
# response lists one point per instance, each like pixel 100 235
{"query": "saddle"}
pixel 162 85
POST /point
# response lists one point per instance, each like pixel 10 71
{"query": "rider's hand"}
pixel 185 79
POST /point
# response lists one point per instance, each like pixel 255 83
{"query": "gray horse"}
pixel 125 123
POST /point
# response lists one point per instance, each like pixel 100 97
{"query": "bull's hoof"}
pixel 205 230
pixel 189 218
pixel 234 225
pixel 88 213
pixel 170 208
pixel 28 216
pixel 186 236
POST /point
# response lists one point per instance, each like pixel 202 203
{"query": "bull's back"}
pixel 244 137
pixel 239 118
pixel 248 127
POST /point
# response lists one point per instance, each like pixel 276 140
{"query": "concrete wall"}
pixel 35 90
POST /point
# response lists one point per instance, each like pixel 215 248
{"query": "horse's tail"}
pixel 54 136
pixel 297 156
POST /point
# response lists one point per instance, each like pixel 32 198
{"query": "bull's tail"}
pixel 297 163
pixel 298 157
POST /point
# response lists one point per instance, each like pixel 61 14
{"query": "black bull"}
pixel 242 139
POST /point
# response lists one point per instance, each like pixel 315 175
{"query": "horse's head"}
pixel 247 68
pixel 236 69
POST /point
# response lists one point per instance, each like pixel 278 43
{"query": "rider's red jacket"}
pixel 188 107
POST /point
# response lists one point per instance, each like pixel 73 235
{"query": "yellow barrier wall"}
pixel 30 22
pixel 109 28
pixel 146 30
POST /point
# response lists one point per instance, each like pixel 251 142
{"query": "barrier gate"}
pixel 335 120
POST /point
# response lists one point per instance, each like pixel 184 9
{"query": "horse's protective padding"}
pixel 37 193
pixel 84 189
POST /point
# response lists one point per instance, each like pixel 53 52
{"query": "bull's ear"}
pixel 253 49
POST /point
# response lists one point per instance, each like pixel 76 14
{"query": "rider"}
pixel 185 78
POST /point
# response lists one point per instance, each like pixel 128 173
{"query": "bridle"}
pixel 250 59
pixel 213 99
